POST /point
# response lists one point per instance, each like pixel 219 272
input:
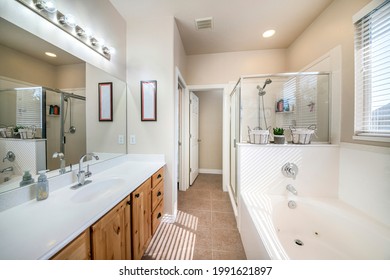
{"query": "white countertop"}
pixel 39 229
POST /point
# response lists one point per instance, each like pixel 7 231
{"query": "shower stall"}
pixel 259 103
pixel 56 117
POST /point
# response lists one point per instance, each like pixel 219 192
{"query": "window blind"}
pixel 28 107
pixel 372 72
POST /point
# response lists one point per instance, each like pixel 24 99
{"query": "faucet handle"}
pixel 10 156
pixel 88 173
pixel 290 170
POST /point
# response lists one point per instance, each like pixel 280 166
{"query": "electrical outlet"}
pixel 132 140
pixel 121 139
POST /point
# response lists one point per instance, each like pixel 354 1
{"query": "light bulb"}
pixel 47 5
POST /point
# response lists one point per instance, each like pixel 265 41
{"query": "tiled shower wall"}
pixel 29 155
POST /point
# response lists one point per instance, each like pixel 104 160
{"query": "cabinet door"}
pixel 108 235
pixel 78 249
pixel 141 219
pixel 128 230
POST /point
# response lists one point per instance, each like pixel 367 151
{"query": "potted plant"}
pixel 279 135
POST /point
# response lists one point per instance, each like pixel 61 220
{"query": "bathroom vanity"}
pixel 113 217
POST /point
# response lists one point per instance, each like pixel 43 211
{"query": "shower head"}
pixel 267 82
pixel 261 89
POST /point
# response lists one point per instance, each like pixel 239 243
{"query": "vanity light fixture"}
pixel 47 5
pixel 67 22
pixel 106 50
pixel 269 33
pixel 80 31
pixel 94 41
pixel 67 19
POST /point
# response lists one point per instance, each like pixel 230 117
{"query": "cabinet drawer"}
pixel 157 216
pixel 157 194
pixel 157 177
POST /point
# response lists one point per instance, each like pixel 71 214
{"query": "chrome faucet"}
pixel 291 189
pixel 62 161
pixel 82 174
pixel 10 157
pixel 290 170
pixel 7 169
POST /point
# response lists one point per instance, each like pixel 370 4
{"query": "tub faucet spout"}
pixel 291 189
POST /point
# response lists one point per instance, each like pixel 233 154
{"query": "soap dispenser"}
pixel 42 186
pixel 27 179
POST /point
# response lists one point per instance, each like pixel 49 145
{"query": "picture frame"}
pixel 105 102
pixel 149 100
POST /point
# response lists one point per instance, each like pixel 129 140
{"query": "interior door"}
pixel 194 137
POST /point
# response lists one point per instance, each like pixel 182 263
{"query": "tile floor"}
pixel 205 227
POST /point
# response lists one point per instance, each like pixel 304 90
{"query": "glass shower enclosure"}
pixel 284 100
pixel 54 115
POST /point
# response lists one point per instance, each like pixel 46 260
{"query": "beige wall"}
pixel 221 68
pixel 179 53
pixel 332 28
pixel 210 129
pixel 151 57
pixel 103 136
pixel 71 76
pixel 22 67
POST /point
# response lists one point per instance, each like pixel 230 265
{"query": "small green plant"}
pixel 278 131
pixel 18 127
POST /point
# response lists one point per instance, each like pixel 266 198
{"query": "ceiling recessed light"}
pixel 269 33
pixel 50 54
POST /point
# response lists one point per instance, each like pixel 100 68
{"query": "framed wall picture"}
pixel 105 102
pixel 149 100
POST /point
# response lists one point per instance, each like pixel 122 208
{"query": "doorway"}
pixel 182 137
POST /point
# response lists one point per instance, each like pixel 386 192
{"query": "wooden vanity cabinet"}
pixel 157 198
pixel 126 230
pixel 111 234
pixel 141 219
pixel 78 249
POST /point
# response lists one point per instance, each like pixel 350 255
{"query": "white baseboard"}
pixel 210 171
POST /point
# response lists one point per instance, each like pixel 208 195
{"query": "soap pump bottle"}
pixel 42 186
pixel 26 179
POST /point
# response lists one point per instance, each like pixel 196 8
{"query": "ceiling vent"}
pixel 204 23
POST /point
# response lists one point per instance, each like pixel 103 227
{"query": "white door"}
pixel 194 137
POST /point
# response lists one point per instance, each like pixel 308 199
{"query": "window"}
pixel 372 71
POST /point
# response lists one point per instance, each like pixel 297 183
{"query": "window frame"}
pixel 359 112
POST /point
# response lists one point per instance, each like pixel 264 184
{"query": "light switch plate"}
pixel 121 139
pixel 132 140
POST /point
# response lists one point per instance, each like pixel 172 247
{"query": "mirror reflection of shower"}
pixel 72 128
pixel 261 110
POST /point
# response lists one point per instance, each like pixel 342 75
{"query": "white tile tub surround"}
pixel 259 169
pixel 365 179
pixel 30 154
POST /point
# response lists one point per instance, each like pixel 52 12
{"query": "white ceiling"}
pixel 238 24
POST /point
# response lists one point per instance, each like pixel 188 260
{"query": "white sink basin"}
pixel 97 189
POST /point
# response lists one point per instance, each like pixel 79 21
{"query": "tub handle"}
pixel 290 170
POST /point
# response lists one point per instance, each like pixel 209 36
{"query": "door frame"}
pixel 186 133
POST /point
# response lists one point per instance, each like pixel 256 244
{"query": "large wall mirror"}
pixel 62 93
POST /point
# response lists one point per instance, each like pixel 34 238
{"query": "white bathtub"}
pixel 315 229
